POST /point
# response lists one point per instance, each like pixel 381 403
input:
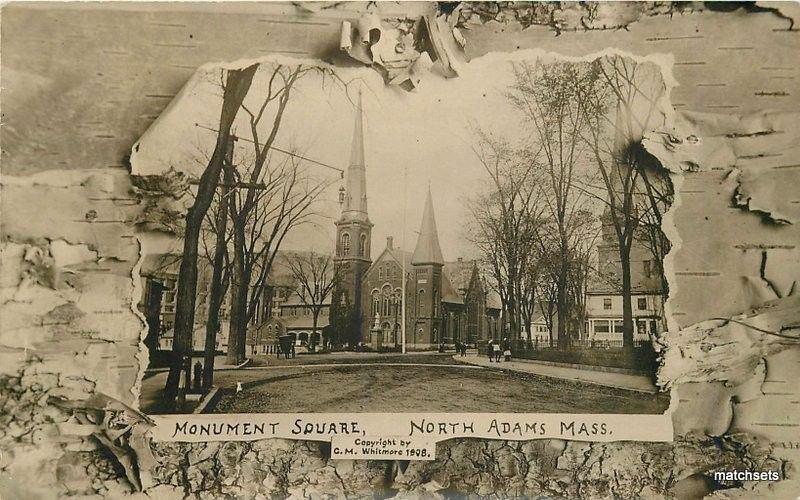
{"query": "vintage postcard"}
pixel 399 249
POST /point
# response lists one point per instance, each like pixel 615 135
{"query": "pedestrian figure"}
pixel 293 352
pixel 238 387
pixel 198 376
pixel 187 373
pixel 496 350
pixel 463 348
pixel 507 349
pixel 490 350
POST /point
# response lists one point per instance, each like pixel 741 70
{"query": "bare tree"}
pixel 659 195
pixel 555 121
pixel 276 197
pixel 316 277
pixel 505 222
pixel 581 267
pixel 578 260
pixel 632 90
pixel 217 220
pixel 236 87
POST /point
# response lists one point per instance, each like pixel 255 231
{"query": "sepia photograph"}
pixel 349 248
pixel 399 249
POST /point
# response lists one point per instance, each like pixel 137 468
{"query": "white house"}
pixel 604 315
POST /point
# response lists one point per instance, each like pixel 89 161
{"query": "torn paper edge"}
pixel 143 355
pixel 659 426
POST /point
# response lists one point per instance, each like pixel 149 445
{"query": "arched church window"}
pixel 345 243
pixel 421 303
pixel 386 292
pixel 398 301
pixel 375 302
pixel 435 302
pixel 362 245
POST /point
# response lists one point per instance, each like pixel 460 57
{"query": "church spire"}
pixel 355 200
pixel 427 250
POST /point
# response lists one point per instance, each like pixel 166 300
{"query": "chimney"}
pixel 390 242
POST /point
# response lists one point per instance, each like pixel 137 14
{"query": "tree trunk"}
pixel 627 309
pixel 314 319
pixel 528 312
pixel 217 292
pixel 244 310
pixel 236 88
pixel 549 316
pixel 561 308
pixel 237 336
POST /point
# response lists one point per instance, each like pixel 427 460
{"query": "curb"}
pixel 240 365
pixel 499 366
pixel 155 371
pixel 209 401
pixel 579 366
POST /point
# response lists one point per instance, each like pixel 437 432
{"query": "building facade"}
pixel 603 316
pixel 446 302
pixel 290 310
pixel 604 300
pixel 436 312
pixel 159 274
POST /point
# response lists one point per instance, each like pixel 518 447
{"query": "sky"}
pixel 412 140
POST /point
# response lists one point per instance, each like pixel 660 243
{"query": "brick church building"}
pixel 445 301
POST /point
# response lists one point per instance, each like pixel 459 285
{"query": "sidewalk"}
pixel 639 383
pixel 219 364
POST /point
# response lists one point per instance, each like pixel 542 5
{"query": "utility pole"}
pixel 216 292
pixel 228 186
pixel 405 278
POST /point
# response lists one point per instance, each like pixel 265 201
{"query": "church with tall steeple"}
pixel 445 302
pixel 353 228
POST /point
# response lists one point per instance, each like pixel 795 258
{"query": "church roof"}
pixel 460 273
pixel 493 300
pixel 449 293
pixel 304 322
pixel 401 256
pixel 395 254
pixel 357 145
pixel 355 199
pixel 281 275
pixel 294 300
pixel 608 281
pixel 428 250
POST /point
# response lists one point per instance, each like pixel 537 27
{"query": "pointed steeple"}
pixel 427 250
pixel 355 200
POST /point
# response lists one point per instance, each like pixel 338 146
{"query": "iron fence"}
pixel 609 353
pixel 535 345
